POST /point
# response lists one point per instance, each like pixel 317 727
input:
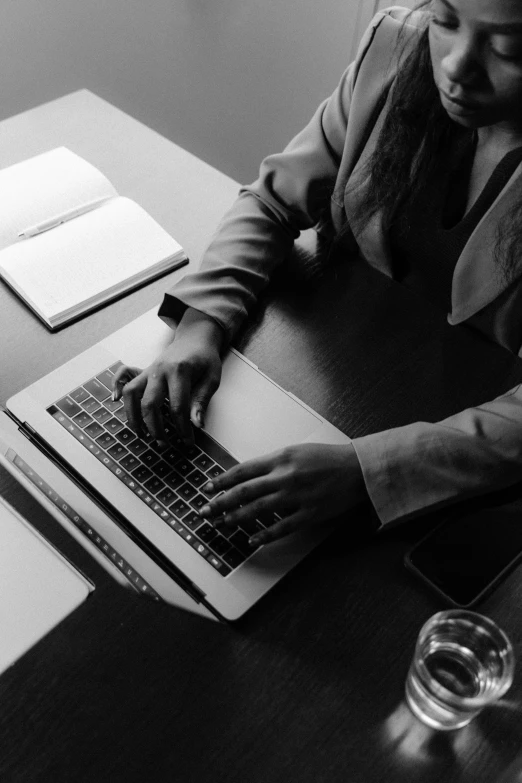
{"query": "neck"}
pixel 498 138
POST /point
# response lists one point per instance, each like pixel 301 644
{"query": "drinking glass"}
pixel 462 662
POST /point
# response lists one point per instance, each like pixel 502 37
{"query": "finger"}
pixel 132 393
pixel 201 397
pixel 123 375
pixel 179 404
pixel 243 501
pixel 280 529
pixel 151 403
pixel 245 471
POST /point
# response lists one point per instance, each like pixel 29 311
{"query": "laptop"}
pixel 140 500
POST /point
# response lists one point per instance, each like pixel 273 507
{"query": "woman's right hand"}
pixel 187 372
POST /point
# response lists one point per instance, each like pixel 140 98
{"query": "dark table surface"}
pixel 308 686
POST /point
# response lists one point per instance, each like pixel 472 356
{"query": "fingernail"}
pixel 255 540
pixel 113 396
pixel 199 417
pixel 205 511
pixel 161 443
pixel 209 487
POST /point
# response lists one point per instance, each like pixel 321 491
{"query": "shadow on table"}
pixel 473 750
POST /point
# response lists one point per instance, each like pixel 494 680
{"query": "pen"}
pixel 39 228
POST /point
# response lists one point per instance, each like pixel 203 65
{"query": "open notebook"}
pixel 69 242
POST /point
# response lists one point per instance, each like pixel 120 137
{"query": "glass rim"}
pixel 506 651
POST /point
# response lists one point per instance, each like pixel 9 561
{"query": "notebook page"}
pixel 44 187
pixel 88 258
pixel 38 586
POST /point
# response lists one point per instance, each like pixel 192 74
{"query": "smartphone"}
pixel 464 558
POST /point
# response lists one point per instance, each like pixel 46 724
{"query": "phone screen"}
pixel 464 557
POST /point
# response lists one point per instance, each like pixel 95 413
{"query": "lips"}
pixel 461 103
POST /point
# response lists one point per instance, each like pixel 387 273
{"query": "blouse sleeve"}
pixel 420 467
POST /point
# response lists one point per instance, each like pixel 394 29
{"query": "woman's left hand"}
pixel 304 484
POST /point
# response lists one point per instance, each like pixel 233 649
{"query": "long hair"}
pixel 416 132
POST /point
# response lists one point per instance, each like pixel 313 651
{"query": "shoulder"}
pixel 396 17
pixel 390 34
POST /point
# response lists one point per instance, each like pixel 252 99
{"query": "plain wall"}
pixel 229 80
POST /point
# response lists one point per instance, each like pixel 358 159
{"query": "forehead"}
pixel 485 12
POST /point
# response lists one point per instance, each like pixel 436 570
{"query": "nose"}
pixel 462 64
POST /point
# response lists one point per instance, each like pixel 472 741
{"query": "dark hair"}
pixel 415 132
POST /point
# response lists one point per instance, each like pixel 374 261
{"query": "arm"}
pixel 420 467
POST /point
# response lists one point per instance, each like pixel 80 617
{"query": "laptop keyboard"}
pixel 168 478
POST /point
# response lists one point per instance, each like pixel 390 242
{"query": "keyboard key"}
pixel 186 491
pixel 215 471
pixel 220 545
pixel 113 425
pixel 93 430
pixel 149 458
pixel 78 395
pixel 191 452
pixel 154 485
pixel 97 389
pixel 105 377
pixel 166 496
pixel 125 435
pixel 117 451
pixel 197 478
pixel 233 557
pixel 183 466
pixel 137 447
pixel 102 415
pixel 113 405
pixel 142 474
pixel 218 564
pixel 106 440
pixel 204 462
pixel 174 480
pixel 179 508
pixel 161 469
pixel 129 462
pixel 157 447
pixel 115 366
pixel 207 533
pixel 90 405
pixel 198 502
pixel 83 419
pixel 69 407
pixel 171 455
pixel 121 414
pixel 240 541
pixel 192 520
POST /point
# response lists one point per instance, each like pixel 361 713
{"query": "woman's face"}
pixel 476 54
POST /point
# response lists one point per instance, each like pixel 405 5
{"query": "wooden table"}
pixel 308 687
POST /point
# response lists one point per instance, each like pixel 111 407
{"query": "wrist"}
pixel 206 328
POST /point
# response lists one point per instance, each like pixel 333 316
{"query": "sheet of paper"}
pixel 44 187
pixel 38 587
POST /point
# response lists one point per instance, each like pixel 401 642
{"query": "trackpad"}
pixel 251 416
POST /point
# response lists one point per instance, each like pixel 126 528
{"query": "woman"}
pixel 415 160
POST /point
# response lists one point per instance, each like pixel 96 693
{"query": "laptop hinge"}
pixel 119 519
